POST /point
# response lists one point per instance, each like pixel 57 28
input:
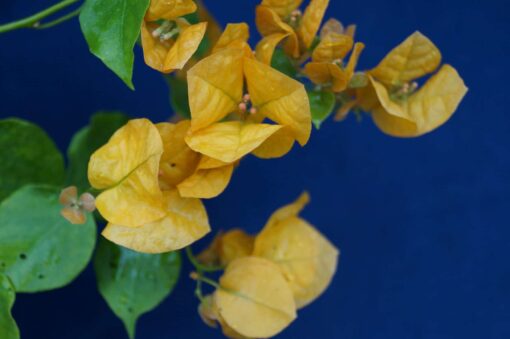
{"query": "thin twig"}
pixel 31 21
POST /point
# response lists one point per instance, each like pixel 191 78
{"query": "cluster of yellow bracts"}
pixel 269 276
pixel 390 93
pixel 152 177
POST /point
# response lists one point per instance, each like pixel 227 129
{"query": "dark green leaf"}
pixel 39 249
pixel 179 96
pixel 87 141
pixel 134 283
pixel 27 156
pixel 204 47
pixel 192 18
pixel 316 41
pixel 111 28
pixel 8 327
pixel 283 63
pixel 322 105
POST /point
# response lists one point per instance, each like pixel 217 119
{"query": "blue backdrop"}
pixel 422 223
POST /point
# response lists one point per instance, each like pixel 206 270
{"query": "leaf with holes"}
pixel 28 156
pixel 134 283
pixel 322 105
pixel 86 141
pixel 39 249
pixel 7 296
pixel 111 28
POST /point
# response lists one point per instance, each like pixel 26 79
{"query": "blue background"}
pixel 422 223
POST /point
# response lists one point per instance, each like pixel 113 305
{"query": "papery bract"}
pixel 168 40
pixel 307 259
pixel 325 69
pixel 226 247
pixel 193 174
pixel 254 299
pixel 127 169
pixel 169 9
pixel 397 109
pixel 185 222
pixel 217 86
pixel 282 21
pixel 282 7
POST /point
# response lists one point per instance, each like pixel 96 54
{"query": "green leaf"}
pixel 179 96
pixel 316 41
pixel 39 249
pixel 134 283
pixel 28 156
pixel 205 46
pixel 192 18
pixel 283 63
pixel 86 141
pixel 322 105
pixel 111 28
pixel 8 327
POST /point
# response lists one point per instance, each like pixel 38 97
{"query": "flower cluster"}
pixel 168 39
pixel 230 100
pixel 268 277
pixel 152 177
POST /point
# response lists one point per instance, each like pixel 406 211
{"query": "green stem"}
pixel 31 21
pixel 198 266
pixel 198 291
pixel 60 20
pixel 208 281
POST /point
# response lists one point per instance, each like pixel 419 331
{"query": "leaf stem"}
pixel 33 20
pixel 198 277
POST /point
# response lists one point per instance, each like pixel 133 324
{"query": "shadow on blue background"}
pixel 422 223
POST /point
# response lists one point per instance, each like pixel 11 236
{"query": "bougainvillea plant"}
pixel 146 181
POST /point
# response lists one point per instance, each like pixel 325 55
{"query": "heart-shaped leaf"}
pixel 322 104
pixel 283 63
pixel 28 156
pixel 134 283
pixel 111 28
pixel 39 249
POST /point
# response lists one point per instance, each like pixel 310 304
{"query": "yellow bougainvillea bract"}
pixel 304 258
pixel 254 298
pixel 185 222
pixel 226 247
pixel 152 178
pixel 140 170
pixel 399 109
pixel 127 170
pixel 307 259
pixel 281 21
pixel 217 86
pixel 168 40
